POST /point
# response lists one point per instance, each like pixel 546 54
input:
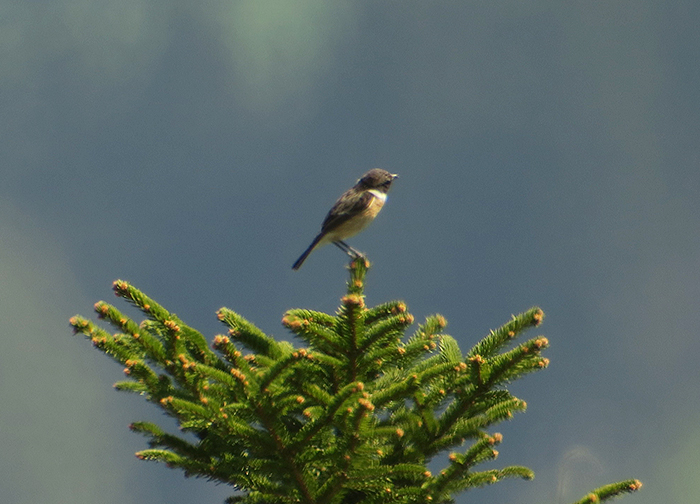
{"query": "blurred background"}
pixel 548 155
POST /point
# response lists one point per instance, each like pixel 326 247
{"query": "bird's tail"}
pixel 306 253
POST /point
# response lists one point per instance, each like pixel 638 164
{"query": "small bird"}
pixel 354 210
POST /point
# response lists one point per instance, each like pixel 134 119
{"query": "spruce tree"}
pixel 355 416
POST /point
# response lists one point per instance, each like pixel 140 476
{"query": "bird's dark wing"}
pixel 348 205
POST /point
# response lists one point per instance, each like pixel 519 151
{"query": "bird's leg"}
pixel 348 249
pixel 343 246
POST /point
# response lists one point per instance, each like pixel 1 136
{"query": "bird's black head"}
pixel 376 179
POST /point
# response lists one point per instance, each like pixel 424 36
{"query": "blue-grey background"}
pixel 548 154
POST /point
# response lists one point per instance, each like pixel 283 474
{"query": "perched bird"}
pixel 354 210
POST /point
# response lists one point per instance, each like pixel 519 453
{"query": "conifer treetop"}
pixel 354 416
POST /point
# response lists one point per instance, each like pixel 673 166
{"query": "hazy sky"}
pixel 548 154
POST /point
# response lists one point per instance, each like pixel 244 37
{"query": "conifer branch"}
pixel 502 336
pixel 607 492
pixel 249 335
pixel 306 325
pixel 131 386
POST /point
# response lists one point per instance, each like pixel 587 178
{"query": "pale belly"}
pixel 353 226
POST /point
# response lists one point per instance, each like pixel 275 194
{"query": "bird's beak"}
pixel 394 175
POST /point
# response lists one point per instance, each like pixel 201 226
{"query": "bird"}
pixel 354 210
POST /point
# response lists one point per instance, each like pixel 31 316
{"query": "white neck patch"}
pixel 378 194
